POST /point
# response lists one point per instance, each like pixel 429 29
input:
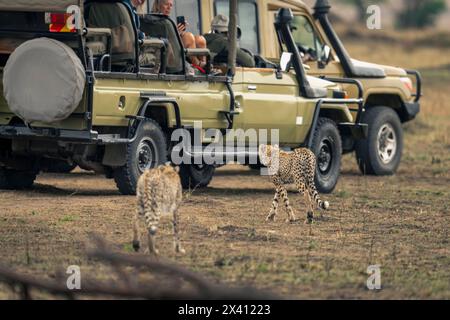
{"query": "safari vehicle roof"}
pixel 38 5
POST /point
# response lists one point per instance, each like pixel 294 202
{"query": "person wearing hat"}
pixel 217 43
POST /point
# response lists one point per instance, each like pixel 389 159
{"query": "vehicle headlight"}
pixel 408 83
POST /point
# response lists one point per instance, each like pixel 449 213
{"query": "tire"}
pixel 381 153
pixel 195 176
pixel 149 150
pixel 16 180
pixel 64 84
pixel 327 146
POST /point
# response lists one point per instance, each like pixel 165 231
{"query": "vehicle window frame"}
pixel 255 2
pixel 318 35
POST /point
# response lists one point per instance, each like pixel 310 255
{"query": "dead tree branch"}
pixel 128 286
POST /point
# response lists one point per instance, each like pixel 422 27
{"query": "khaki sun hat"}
pixel 220 24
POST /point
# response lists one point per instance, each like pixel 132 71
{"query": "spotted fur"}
pixel 297 168
pixel 158 193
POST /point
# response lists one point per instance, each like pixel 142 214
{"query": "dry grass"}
pixel 399 222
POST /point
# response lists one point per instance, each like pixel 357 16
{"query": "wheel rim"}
pixel 147 155
pixel 387 143
pixel 325 157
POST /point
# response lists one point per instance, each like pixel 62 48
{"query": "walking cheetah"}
pixel 298 167
pixel 158 193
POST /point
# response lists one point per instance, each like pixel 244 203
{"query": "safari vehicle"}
pixel 102 96
pixel 390 96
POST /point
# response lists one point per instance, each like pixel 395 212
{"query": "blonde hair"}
pixel 157 5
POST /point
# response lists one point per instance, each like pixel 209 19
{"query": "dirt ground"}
pixel 400 223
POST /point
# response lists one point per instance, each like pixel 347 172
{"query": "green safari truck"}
pixel 94 85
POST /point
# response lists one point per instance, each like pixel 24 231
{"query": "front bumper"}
pixel 411 110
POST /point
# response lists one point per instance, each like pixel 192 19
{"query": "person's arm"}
pixel 181 29
pixel 245 59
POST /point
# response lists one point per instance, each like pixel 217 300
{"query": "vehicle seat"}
pixel 160 27
pixel 150 56
pixel 116 17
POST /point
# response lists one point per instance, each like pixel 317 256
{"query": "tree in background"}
pixel 361 6
pixel 420 13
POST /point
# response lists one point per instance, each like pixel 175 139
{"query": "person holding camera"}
pixel 189 40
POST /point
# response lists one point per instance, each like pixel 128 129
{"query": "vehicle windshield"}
pixel 306 38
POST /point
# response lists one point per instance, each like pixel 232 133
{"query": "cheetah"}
pixel 298 167
pixel 158 193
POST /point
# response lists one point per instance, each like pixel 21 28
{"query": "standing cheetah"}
pixel 298 167
pixel 158 193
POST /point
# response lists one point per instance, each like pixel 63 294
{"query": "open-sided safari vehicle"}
pixel 391 94
pixel 98 93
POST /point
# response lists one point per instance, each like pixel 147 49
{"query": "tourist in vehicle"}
pixel 217 43
pixel 139 5
pixel 189 40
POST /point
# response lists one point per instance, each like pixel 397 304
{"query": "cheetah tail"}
pixel 324 205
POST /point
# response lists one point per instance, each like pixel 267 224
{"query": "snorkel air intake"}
pixel 283 28
pixel 321 11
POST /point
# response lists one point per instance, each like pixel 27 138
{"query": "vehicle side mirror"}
pixel 326 55
pixel 285 61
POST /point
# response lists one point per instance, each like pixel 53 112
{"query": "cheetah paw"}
pixel 310 218
pixel 136 246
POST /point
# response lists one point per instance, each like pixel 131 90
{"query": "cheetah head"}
pixel 267 154
pixel 168 168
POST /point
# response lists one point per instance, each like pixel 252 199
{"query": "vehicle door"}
pixel 270 101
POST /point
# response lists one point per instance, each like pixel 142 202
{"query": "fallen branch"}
pixel 128 285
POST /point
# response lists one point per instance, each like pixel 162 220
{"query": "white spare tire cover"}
pixel 43 81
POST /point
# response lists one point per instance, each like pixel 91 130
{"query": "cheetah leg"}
pixel 136 233
pixel 310 215
pixel 301 186
pixel 274 209
pixel 177 245
pixel 152 230
pixel 137 218
pixel 290 212
pixel 152 221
